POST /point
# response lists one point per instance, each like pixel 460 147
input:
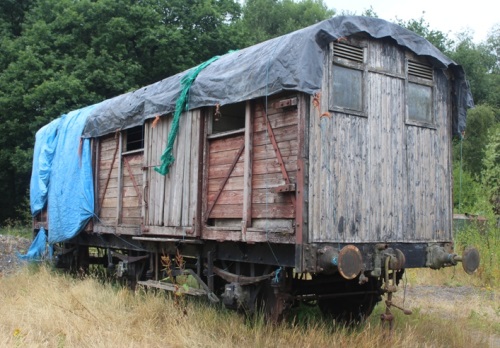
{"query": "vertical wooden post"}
pixel 301 208
pixel 207 129
pixel 247 173
pixel 197 217
pixel 120 180
pixel 145 174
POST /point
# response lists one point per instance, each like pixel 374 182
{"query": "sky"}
pixel 449 17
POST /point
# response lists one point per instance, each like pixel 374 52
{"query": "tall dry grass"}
pixel 41 308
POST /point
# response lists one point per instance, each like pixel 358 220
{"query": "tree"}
pixel 12 16
pixel 479 63
pixel 466 190
pixel 266 19
pixel 491 164
pixel 482 66
pixel 422 27
pixel 479 121
pixel 493 45
pixel 60 55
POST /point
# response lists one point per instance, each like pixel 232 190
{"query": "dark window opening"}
pixel 228 117
pixel 135 139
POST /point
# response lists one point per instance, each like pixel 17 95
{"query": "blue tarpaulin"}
pixel 62 163
pixel 46 139
pixel 71 192
pixel 37 249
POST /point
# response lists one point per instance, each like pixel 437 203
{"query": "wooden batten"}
pixel 119 179
pixel 302 171
pixel 247 176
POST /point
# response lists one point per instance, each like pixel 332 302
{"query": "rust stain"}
pixel 155 122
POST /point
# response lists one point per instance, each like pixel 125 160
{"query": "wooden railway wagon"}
pixel 312 167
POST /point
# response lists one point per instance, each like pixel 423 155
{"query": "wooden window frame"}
pixel 354 65
pixel 125 141
pixel 411 79
pixel 211 120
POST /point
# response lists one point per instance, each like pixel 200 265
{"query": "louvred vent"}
pixel 349 52
pixel 420 70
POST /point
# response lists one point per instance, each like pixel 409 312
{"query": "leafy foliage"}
pixel 479 121
pixel 466 190
pixel 422 28
pixel 266 19
pixel 60 55
pixel 479 63
pixel 491 172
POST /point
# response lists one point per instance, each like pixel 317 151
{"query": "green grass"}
pixel 16 229
pixel 486 238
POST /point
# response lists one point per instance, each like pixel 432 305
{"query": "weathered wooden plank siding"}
pixel 154 184
pixel 375 178
pixel 132 201
pixel 107 195
pixel 193 176
pixel 429 188
pixel 247 207
pixel 222 153
pixel 267 173
pixel 41 219
pixel 172 199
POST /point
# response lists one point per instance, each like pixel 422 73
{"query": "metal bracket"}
pixel 284 188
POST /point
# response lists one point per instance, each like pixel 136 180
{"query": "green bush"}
pixel 485 236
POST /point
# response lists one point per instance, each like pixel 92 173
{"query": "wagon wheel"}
pixel 275 297
pixel 272 303
pixel 259 295
pixel 352 309
pixel 72 258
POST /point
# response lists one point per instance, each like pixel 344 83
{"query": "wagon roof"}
pixel 290 62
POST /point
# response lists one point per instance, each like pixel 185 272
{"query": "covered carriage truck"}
pixel 314 167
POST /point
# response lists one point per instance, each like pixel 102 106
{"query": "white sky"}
pixel 450 17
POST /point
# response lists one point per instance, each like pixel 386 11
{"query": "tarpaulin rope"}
pixel 181 105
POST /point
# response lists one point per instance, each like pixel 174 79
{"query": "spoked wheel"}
pixel 352 309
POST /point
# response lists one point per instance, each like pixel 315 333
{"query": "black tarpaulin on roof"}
pixel 290 62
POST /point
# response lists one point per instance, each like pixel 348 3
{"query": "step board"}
pixel 171 287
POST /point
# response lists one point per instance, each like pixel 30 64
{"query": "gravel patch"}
pixel 9 246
